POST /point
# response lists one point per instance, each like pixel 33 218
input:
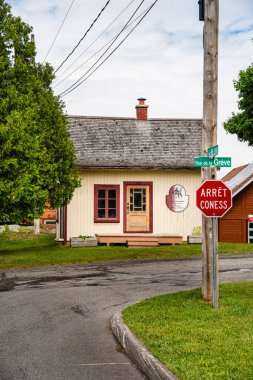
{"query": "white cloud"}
pixel 162 60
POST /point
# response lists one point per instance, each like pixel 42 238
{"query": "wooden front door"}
pixel 138 200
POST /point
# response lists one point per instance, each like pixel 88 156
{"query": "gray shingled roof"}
pixel 106 142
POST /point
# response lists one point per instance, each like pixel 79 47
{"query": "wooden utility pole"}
pixel 209 138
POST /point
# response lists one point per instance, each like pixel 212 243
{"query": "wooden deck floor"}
pixel 141 240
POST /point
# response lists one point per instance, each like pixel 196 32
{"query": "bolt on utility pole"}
pixel 209 10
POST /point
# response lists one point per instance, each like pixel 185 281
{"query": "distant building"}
pixel 237 225
pixel 48 216
pixel 138 178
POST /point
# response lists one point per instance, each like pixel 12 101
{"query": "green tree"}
pixel 37 160
pixel 241 123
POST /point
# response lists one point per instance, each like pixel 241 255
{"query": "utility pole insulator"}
pixel 201 10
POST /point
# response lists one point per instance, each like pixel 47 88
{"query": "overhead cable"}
pixel 115 38
pixel 77 59
pixel 85 34
pixel 71 88
pixel 52 44
pixel 93 55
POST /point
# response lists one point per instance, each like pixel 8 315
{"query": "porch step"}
pixel 142 243
pixel 124 237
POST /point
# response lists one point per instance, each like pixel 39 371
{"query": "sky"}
pixel 161 60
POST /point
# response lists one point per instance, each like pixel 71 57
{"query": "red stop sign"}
pixel 214 198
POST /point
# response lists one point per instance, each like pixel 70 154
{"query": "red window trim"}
pixel 106 187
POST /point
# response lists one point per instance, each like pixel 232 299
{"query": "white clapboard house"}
pixel 138 179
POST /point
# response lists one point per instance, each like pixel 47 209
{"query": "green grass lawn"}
pixel 25 249
pixel 194 340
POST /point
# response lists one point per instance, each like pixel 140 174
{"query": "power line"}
pixel 93 55
pixel 66 92
pixel 116 18
pixel 52 44
pixel 85 34
pixel 117 36
pixel 114 39
pixel 87 60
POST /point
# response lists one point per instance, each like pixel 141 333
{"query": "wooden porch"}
pixel 138 240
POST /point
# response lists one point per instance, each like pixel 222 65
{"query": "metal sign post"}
pixel 215 282
pixel 214 199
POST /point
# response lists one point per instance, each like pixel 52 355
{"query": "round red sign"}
pixel 214 198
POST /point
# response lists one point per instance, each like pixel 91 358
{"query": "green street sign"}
pixel 206 162
pixel 201 162
pixel 221 162
pixel 213 151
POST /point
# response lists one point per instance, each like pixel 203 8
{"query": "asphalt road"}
pixel 54 322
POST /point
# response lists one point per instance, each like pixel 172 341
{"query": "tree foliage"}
pixel 37 160
pixel 241 123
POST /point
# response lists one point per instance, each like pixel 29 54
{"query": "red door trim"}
pixel 150 184
pixel 65 224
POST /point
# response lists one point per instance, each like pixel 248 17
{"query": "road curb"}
pixel 146 362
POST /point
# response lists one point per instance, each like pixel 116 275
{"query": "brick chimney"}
pixel 141 110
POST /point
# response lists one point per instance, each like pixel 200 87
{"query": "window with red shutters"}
pixel 106 203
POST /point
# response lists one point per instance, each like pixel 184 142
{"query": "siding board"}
pixel 231 231
pixel 81 207
pixel 233 226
